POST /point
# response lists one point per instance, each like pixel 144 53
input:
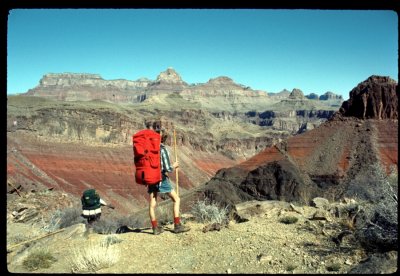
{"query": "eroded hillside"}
pixel 74 131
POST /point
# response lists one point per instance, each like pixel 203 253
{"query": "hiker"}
pixel 91 205
pixel 165 186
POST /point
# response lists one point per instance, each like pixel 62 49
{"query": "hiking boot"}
pixel 179 228
pixel 158 230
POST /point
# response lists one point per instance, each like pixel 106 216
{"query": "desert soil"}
pixel 261 245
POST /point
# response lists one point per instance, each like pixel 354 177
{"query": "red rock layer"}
pixel 75 167
pixel 387 142
pixel 268 155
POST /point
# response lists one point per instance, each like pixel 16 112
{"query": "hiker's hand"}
pixel 176 164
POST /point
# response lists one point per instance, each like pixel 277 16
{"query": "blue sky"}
pixel 271 50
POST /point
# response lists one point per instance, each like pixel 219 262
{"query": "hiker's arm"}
pixel 102 202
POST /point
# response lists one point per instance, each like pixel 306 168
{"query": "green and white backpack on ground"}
pixel 90 200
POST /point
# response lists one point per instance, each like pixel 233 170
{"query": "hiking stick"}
pixel 176 170
pixel 160 156
pixel 37 238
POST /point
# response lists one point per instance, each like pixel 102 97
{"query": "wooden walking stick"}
pixel 34 239
pixel 176 170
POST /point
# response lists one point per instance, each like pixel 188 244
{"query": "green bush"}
pixel 38 259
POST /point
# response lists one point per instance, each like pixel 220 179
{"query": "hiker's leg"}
pixel 175 198
pixel 152 205
pixel 97 217
pixel 152 190
pixel 178 227
pixel 91 219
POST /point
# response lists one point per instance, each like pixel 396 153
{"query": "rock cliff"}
pixel 374 98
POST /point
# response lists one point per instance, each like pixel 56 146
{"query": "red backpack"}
pixel 146 152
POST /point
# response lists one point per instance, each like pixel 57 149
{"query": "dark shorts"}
pixel 155 188
pixel 164 186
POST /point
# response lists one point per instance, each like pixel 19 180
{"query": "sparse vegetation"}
pixel 109 225
pixel 289 220
pixel 206 212
pixel 65 218
pixel 106 139
pixel 393 176
pixel 109 138
pixel 290 267
pixel 41 258
pixel 17 238
pixel 376 225
pixel 375 184
pixel 110 240
pixel 348 214
pixel 333 267
pixel 164 214
pixel 94 257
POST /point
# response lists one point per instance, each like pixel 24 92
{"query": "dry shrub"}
pixel 110 240
pixel 164 214
pixel 94 257
pixel 206 212
pixel 64 218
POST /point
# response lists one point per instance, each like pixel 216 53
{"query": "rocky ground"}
pixel 262 244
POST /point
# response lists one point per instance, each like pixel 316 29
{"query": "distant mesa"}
pixel 65 78
pixel 298 94
pixel 330 96
pixel 374 98
pixel 312 96
pixel 221 80
pixel 282 94
pixel 143 80
pixel 85 87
